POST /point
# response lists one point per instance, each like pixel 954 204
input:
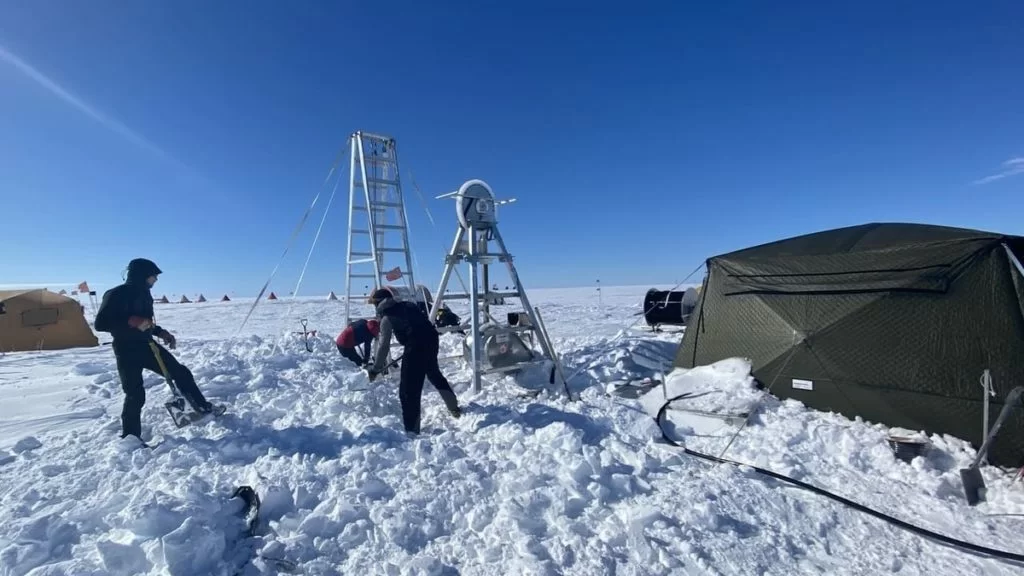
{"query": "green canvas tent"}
pixel 894 323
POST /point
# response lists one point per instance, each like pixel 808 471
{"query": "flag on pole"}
pixel 393 274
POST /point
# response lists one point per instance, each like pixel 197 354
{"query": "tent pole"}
pixel 986 385
pixel 700 314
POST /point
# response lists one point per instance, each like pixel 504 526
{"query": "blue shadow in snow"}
pixel 246 442
pixel 537 416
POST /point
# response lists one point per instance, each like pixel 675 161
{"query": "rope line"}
pixel 433 224
pixel 305 265
pixel 288 245
pixel 316 238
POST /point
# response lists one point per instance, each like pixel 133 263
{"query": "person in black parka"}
pixel 127 314
pixel 414 331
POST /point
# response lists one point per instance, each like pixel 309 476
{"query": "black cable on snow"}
pixel 984 550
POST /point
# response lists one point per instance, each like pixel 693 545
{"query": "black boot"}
pixel 451 402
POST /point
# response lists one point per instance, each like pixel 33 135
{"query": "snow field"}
pixel 516 486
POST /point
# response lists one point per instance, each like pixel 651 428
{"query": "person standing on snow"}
pixel 358 333
pixel 127 314
pixel 413 330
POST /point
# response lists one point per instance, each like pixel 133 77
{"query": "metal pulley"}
pixel 475 205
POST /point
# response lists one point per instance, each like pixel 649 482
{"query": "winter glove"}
pixel 140 323
pixel 168 339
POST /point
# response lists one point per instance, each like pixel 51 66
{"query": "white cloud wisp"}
pixel 82 106
pixel 1011 167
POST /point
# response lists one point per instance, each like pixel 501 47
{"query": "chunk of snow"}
pixel 193 548
pixel 122 559
pixel 276 501
pixel 725 387
pixel 27 443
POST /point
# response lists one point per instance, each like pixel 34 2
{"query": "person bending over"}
pixel 413 330
pixel 359 333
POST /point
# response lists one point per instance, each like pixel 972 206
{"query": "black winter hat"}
pixel 142 268
pixel 379 295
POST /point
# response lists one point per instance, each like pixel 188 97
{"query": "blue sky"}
pixel 639 138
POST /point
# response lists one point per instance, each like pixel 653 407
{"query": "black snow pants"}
pixel 419 361
pixel 353 355
pixel 132 358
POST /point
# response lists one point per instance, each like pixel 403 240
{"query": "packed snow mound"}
pixel 725 387
pixel 515 486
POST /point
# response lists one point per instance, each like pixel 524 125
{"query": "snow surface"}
pixel 518 485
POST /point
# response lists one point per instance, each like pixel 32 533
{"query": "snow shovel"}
pixel 389 365
pixel 176 407
pixel 974 483
pixel 306 333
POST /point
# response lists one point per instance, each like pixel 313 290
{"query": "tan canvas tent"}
pixel 163 300
pixel 201 298
pixel 184 300
pixel 332 296
pixel 225 299
pixel 42 320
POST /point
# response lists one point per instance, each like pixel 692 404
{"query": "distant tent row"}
pixel 331 296
pixel 184 299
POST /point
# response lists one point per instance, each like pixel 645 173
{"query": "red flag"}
pixel 393 274
pixel 83 287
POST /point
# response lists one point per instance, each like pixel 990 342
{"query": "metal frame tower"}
pixel 478 227
pixel 378 232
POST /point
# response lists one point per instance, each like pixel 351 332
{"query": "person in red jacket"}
pixel 356 334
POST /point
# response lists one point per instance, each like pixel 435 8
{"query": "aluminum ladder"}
pixel 378 232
